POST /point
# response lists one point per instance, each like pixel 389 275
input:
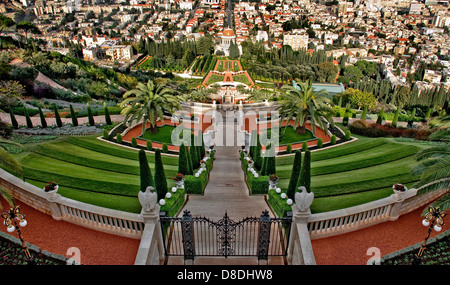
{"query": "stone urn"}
pixel 273 181
pixel 179 183
pixel 399 191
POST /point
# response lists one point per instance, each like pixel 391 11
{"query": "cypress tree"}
pixel 27 118
pixel 119 138
pixel 13 119
pixel 304 178
pixel 304 146
pixel 395 119
pixel 74 117
pixel 57 117
pixel 149 145
pixel 90 116
pixel 189 162
pixel 364 113
pixel 294 174
pixel 107 116
pixel 253 140
pixel 271 165
pixel 145 172
pixel 160 175
pixel 264 165
pixel 345 120
pixel 43 121
pixel 380 116
pixel 194 157
pixel 182 161
pixel 257 159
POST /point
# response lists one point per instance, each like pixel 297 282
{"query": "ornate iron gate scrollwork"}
pixel 198 236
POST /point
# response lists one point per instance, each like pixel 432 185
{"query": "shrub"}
pixel 319 143
pixel 13 119
pixel 380 116
pixel 119 138
pixel 364 113
pixel 333 139
pixel 149 145
pixel 304 146
pixel 376 130
pixel 28 120
pixel 195 185
pixel 258 185
pixel 90 115
pixel 43 121
pixel 165 148
pixel 160 176
pixel 345 120
pixel 107 116
pixel 305 172
pixel 182 160
pixel 257 158
pixel 105 134
pixel 289 148
pixel 5 130
pixel 144 171
pixel 270 165
pixel 395 120
pixel 348 135
pixel 57 117
pixel 296 166
pixel 73 116
pixel 133 142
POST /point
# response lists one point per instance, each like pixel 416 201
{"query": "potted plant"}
pixel 273 181
pixel 399 190
pixel 250 164
pixel 52 186
pixel 179 180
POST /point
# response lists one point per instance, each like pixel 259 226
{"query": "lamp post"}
pixel 11 217
pixel 433 219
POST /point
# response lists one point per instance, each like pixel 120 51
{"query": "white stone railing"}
pixel 307 226
pixel 354 218
pixel 86 215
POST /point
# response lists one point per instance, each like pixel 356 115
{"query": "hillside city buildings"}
pixel 398 34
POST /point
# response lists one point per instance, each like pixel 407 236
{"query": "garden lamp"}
pixel 11 218
pixel 434 218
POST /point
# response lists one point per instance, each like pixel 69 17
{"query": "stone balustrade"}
pixel 60 208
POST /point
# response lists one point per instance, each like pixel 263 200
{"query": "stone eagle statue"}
pixel 303 199
pixel 148 199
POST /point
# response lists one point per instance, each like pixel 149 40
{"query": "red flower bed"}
pixel 361 127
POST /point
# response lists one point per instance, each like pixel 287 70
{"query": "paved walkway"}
pixel 228 193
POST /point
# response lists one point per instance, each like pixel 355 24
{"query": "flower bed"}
pixel 11 254
pixel 361 127
pixel 436 253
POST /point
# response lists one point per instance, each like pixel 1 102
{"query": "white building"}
pixel 297 39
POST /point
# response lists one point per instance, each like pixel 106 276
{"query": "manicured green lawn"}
pixel 354 173
pixel 289 136
pixel 164 135
pixel 91 171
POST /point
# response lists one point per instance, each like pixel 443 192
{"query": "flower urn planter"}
pixel 273 184
pixel 179 183
pixel 399 191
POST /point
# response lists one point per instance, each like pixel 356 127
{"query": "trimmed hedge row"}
pixel 258 185
pixel 196 185
pixel 377 130
pixel 174 203
pixel 279 204
pixel 347 149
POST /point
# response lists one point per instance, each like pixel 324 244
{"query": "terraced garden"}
pixel 354 173
pixel 91 171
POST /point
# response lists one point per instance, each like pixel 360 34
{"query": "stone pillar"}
pixel 52 198
pixel 300 250
pixel 151 249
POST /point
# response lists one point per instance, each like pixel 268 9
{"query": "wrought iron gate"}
pixel 190 236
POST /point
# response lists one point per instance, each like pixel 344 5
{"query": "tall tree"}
pixel 304 178
pixel 145 172
pixel 301 105
pixel 149 102
pixel 296 167
pixel 160 176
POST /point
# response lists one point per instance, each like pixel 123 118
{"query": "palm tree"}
pixel 305 104
pixel 149 102
pixel 261 95
pixel 434 165
pixel 199 95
